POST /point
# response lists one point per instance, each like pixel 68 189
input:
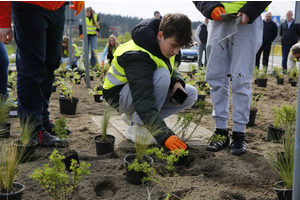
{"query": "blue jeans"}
pixel 4 62
pixel 38 33
pixel 93 41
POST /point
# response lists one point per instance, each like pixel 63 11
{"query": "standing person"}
pixel 157 15
pixel 234 62
pixel 4 63
pixel 201 37
pixel 38 31
pixel 65 53
pixel 269 35
pixel 92 30
pixel 289 35
pixel 142 78
pixel 109 50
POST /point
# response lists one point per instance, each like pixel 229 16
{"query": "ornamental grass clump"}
pixel 58 184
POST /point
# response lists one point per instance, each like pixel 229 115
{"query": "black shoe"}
pixel 238 144
pixel 218 146
pixel 49 125
pixel 45 139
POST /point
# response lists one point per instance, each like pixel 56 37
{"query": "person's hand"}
pixel 173 142
pixel 97 33
pixel 77 5
pixel 81 36
pixel 102 64
pixel 245 18
pixel 6 35
pixel 215 14
pixel 177 85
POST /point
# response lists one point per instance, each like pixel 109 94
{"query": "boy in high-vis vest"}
pixel 142 78
pixel 234 62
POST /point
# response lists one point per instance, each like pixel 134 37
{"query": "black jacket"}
pixel 252 8
pixel 139 69
pixel 290 35
pixel 270 31
pixel 203 34
pixel 90 18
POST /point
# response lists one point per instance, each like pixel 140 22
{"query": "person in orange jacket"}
pixel 38 32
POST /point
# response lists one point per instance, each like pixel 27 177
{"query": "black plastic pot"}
pixel 98 97
pixel 262 82
pixel 91 78
pixel 290 80
pixel 132 176
pixel 5 130
pixel 27 151
pixel 178 97
pixel 174 197
pixel 77 81
pixel 283 194
pixel 68 107
pixel 15 195
pixel 200 97
pixel 255 81
pixel 280 81
pixel 274 133
pixel 252 117
pixel 68 159
pixel 104 147
pixel 293 83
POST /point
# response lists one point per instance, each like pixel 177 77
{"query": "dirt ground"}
pixel 206 176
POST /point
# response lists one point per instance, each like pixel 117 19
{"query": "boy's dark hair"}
pixel 295 50
pixel 178 25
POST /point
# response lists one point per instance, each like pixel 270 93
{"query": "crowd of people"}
pixel 143 78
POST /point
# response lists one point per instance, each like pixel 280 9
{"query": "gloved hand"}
pixel 174 142
pixel 215 14
pixel 77 5
pixel 81 36
pixel 102 64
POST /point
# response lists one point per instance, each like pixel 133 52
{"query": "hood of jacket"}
pixel 145 33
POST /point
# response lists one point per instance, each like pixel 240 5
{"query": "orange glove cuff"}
pixel 81 36
pixel 77 5
pixel 215 14
pixel 102 63
pixel 174 143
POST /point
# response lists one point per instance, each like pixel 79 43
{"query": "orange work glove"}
pixel 215 14
pixel 102 64
pixel 77 5
pixel 174 142
pixel 81 36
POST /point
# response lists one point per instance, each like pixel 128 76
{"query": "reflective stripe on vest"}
pixel 77 53
pixel 90 28
pixel 116 74
pixel 234 6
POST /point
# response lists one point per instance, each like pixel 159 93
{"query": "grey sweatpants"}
pixel 162 93
pixel 237 60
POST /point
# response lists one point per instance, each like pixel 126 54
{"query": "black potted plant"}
pixel 56 182
pixel 256 74
pixel 60 128
pixel 255 100
pixel 105 142
pixel 25 145
pixel 279 76
pixel 262 78
pixel 202 91
pixel 97 93
pixel 68 103
pixel 294 77
pixel 10 159
pixel 4 110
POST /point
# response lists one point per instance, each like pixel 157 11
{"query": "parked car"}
pixel 190 54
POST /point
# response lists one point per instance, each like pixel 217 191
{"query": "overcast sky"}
pixel 145 9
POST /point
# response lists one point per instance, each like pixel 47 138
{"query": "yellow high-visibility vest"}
pixel 77 53
pixel 234 6
pixel 90 28
pixel 116 74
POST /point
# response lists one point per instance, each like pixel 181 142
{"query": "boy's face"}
pixel 168 47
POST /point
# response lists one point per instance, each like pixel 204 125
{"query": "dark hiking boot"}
pixel 49 125
pixel 238 144
pixel 45 139
pixel 218 146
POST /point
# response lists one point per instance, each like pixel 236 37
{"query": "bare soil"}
pixel 206 175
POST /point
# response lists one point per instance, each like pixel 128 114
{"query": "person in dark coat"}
pixel 289 35
pixel 269 35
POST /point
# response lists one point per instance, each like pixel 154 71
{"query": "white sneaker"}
pixel 127 118
pixel 139 134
